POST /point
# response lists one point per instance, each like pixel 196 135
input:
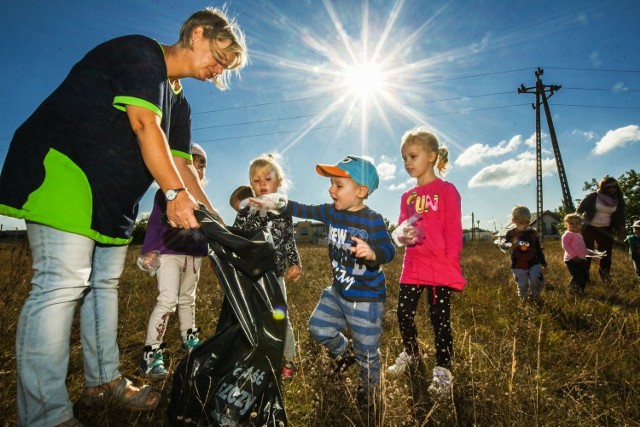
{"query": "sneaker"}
pixel 193 339
pixel 441 383
pixel 289 370
pixel 344 361
pixel 152 363
pixel 403 362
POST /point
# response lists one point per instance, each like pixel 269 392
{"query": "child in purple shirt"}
pixel 180 254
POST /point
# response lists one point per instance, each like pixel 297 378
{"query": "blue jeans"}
pixel 530 282
pixel 67 269
pixel 333 315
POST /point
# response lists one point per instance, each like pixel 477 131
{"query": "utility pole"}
pixel 473 231
pixel 541 94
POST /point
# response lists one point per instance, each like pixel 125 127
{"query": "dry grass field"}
pixel 574 362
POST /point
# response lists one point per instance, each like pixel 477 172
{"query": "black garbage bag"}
pixel 231 379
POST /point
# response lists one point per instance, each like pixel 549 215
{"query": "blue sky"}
pixel 452 66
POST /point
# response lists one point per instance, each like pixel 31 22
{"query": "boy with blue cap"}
pixel 359 244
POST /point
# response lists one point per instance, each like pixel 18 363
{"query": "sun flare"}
pixel 364 80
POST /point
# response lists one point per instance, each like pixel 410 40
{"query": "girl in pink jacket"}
pixel 432 256
pixel 575 253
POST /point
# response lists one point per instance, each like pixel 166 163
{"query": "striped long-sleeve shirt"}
pixel 355 279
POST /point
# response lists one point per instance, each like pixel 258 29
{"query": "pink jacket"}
pixel 436 260
pixel 573 245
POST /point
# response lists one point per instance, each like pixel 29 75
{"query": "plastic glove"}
pixel 502 244
pixel 595 254
pixel 149 262
pixel 274 202
pixel 407 233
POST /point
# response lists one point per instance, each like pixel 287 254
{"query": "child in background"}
pixel 241 193
pixel 575 252
pixel 527 257
pixel 180 256
pixel 634 246
pixel 432 256
pixel 359 244
pixel 266 177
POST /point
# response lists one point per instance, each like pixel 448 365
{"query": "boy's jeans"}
pixel 334 314
pixel 67 269
pixel 530 282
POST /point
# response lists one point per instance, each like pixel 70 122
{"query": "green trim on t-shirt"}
pixel 181 154
pixel 120 102
pixel 63 201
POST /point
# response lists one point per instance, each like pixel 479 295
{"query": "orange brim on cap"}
pixel 331 170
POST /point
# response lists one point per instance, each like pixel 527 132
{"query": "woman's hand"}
pixel 180 211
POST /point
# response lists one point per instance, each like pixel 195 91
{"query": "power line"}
pixel 391 120
pixel 422 102
pixel 444 79
pixel 258 105
pixel 458 98
pixel 610 70
pixel 473 75
pixel 601 89
pixel 596 106
pixel 316 128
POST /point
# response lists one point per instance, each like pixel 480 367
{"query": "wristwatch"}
pixel 172 193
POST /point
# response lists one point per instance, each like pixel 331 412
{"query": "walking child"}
pixel 266 177
pixel 575 252
pixel 527 258
pixel 634 246
pixel 180 255
pixel 432 256
pixel 359 244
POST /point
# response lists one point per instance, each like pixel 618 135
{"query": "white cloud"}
pixel 595 59
pixel 620 87
pixel 589 135
pixel 386 171
pixel 482 45
pixel 403 185
pixel 400 186
pixel 512 172
pixel 617 138
pixel 582 18
pixel 531 141
pixel 478 152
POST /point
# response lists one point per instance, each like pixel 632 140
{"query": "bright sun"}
pixel 364 80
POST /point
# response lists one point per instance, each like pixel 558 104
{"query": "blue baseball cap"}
pixel 362 171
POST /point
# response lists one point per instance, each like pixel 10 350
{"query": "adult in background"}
pixel 603 212
pixel 75 171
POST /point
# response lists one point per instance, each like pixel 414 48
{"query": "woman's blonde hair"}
pixel 430 144
pixel 273 163
pixel 217 26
